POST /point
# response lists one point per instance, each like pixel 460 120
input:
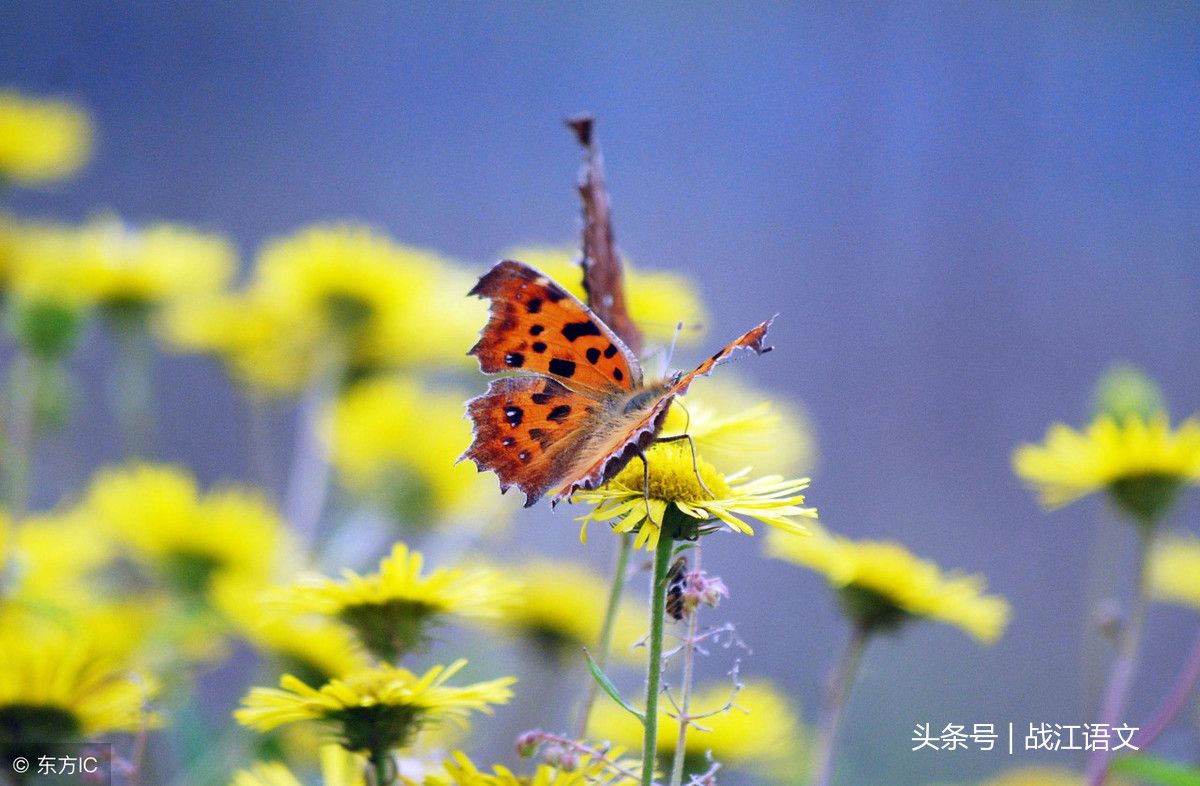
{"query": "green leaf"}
pixel 606 685
pixel 1157 771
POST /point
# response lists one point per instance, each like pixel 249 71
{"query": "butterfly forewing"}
pixel 537 326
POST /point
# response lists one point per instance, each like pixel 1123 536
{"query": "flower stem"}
pixel 685 697
pixel 1185 683
pixel 380 768
pixel 1120 678
pixel 604 646
pixel 20 434
pixel 310 475
pixel 840 682
pixel 658 602
pixel 131 387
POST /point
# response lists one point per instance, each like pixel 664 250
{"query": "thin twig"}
pixel 1185 683
pixel 836 699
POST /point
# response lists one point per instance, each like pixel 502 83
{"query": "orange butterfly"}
pixel 579 410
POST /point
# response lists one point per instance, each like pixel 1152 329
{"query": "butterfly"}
pixel 577 409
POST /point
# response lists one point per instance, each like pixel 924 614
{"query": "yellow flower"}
pixel 400 438
pixel 58 686
pixel 392 609
pixel 562 607
pixel 1141 462
pixel 260 345
pixel 124 268
pixel 41 139
pixel 673 483
pixel 461 771
pixel 760 734
pixel 376 709
pixel 189 541
pixel 881 584
pixel 657 301
pixel 36 566
pixel 769 436
pixel 316 650
pixel 1175 570
pixel 339 767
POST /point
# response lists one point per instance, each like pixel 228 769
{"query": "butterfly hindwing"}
pixel 536 326
pixel 523 425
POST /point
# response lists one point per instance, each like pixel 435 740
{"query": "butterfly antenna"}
pixel 671 350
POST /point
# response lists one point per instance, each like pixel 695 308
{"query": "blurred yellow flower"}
pixel 657 300
pixel 316 650
pixel 760 734
pixel 123 267
pixel 189 541
pixel 41 139
pixel 1036 776
pixel 881 584
pixel 400 438
pixel 58 686
pixel 461 771
pixel 339 767
pixel 769 436
pixel 1175 570
pixel 259 344
pixel 391 610
pixel 673 482
pixel 44 260
pixel 561 609
pixel 35 564
pixel 373 710
pixel 333 299
pixel 1141 462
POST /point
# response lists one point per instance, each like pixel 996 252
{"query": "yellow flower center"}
pixel 673 476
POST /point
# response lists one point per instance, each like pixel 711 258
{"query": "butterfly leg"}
pixel 695 461
pixel 646 487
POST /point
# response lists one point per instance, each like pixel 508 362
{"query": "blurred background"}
pixel 964 214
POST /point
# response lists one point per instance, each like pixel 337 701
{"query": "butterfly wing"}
pixel 537 326
pixel 629 433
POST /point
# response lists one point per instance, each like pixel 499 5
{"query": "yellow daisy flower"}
pixel 882 584
pixel 315 650
pixel 188 540
pixel 400 438
pixel 770 436
pixel 339 767
pixel 1174 570
pixel 461 771
pixel 562 607
pixel 674 488
pixel 125 269
pixel 657 300
pixel 373 710
pixel 41 139
pixel 391 610
pixel 760 734
pixel 46 309
pixel 60 686
pixel 1142 463
pixel 259 344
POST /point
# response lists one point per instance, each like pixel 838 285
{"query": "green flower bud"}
pixel 1125 391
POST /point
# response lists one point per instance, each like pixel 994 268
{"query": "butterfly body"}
pixel 578 409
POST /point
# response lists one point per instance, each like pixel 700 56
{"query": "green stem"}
pixel 1120 678
pixel 21 417
pixel 658 602
pixel 379 768
pixel 604 646
pixel 840 683
pixel 132 387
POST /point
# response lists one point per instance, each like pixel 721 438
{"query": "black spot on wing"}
pixel 534 306
pixel 573 330
pixel 554 293
pixel 559 413
pixel 513 415
pixel 563 368
pixel 539 347
pixel 612 350
pixel 542 398
pixel 536 433
pixel 536 330
pixel 617 375
pixel 593 355
pixel 514 359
